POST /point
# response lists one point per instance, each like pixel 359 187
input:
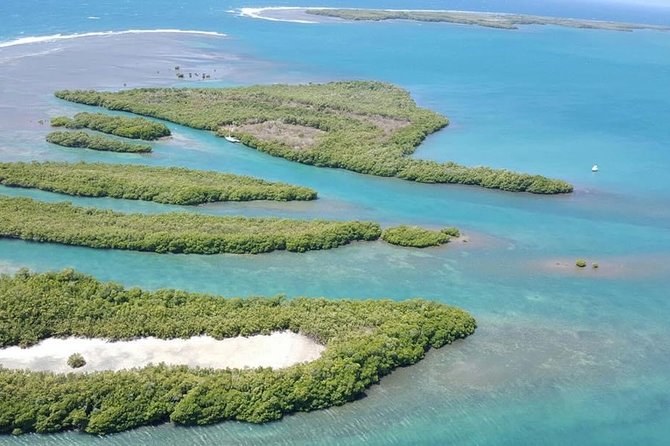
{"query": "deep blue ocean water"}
pixel 560 356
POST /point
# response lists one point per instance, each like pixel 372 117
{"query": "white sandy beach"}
pixel 277 350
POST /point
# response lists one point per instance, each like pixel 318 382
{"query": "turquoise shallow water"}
pixel 560 357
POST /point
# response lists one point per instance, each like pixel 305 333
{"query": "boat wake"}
pixel 57 37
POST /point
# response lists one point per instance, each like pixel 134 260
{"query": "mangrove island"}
pixel 362 126
pixel 364 340
pixel 170 185
pixel 83 140
pixel 174 232
pixel 133 128
pixel 475 18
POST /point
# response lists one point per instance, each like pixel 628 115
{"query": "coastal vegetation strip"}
pixel 416 237
pixel 362 126
pixel 486 19
pixel 365 340
pixel 171 185
pixel 80 139
pixel 176 232
pixel 134 128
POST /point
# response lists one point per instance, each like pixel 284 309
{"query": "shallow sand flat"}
pixel 631 266
pixel 277 350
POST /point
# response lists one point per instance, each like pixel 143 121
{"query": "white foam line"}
pixel 256 13
pixel 56 37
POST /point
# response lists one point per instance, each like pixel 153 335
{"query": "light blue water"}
pixel 561 356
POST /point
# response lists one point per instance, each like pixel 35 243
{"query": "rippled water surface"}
pixel 561 356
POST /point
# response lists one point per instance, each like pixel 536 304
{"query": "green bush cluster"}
pixel 370 127
pixel 433 172
pixel 417 237
pixel 176 232
pixel 581 263
pixel 134 128
pixel 451 231
pixel 95 142
pixel 163 185
pixel 365 340
pixel 76 360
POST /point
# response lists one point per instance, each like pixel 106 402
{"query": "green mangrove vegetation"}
pixel 76 360
pixel 134 128
pixel 486 19
pixel 365 127
pixel 175 232
pixel 80 139
pixel 416 237
pixel 136 182
pixel 365 340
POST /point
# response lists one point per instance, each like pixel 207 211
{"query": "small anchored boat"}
pixel 594 168
pixel 231 139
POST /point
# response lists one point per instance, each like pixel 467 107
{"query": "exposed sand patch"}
pixel 386 124
pixel 277 350
pixel 297 137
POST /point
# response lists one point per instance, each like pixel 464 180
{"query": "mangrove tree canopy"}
pixel 171 185
pixel 174 232
pixel 83 140
pixel 366 127
pixel 135 128
pixel 364 339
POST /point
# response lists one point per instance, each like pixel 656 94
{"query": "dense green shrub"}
pixel 370 127
pixel 95 142
pixel 365 340
pixel 163 185
pixel 451 232
pixel 176 232
pixel 135 128
pixel 76 360
pixel 417 237
pixel 581 263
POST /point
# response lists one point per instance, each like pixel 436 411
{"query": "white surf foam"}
pixel 56 37
pixel 257 13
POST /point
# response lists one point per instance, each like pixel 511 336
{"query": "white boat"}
pixel 231 139
pixel 594 168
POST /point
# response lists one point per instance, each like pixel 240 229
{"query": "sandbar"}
pixel 276 350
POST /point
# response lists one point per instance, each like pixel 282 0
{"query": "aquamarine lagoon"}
pixel 561 355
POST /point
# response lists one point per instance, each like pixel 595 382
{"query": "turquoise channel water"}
pixel 561 356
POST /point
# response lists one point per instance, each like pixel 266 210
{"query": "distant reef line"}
pixel 499 20
pixel 56 37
